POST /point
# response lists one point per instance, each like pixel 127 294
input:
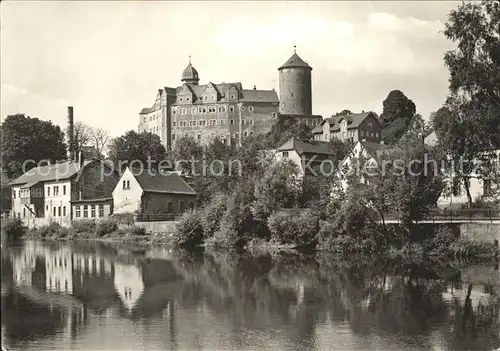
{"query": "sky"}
pixel 108 59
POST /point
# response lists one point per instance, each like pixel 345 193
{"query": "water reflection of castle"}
pixel 83 275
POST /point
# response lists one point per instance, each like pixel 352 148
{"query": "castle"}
pixel 226 110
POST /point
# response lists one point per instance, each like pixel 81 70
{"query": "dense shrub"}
pixel 236 226
pixel 326 234
pixel 126 218
pixel 105 227
pixel 189 231
pixel 51 230
pixel 136 230
pixel 211 215
pixel 13 228
pixel 298 227
pixel 83 226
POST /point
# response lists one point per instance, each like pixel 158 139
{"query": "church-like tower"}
pixel 295 87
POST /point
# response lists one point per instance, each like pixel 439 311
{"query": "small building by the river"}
pixel 152 192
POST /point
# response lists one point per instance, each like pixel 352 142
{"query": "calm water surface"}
pixel 95 296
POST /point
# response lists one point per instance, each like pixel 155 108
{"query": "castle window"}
pixel 187 99
pixel 173 137
pixel 174 124
pixel 198 137
pixel 242 108
pixel 193 110
pixel 251 133
pixel 242 122
pixel 173 112
pixel 205 98
pixel 200 122
pixel 181 99
pixel 231 108
pixel 231 122
pixel 200 110
pixel 250 108
pixel 245 134
pixel 251 122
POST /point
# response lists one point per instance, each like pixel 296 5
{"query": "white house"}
pixel 47 192
pixel 152 192
pixel 311 156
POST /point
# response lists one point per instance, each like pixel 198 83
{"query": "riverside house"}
pixel 149 193
pixel 46 194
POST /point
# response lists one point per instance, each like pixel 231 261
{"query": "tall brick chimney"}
pixel 70 135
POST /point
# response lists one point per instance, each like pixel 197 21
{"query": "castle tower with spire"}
pixel 295 87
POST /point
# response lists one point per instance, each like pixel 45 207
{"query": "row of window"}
pixel 203 98
pixel 38 192
pixel 85 208
pixel 224 138
pixel 56 190
pixel 211 123
pixel 207 109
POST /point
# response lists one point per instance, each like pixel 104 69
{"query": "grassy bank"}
pixel 107 230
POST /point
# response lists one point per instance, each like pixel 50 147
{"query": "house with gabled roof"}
pixel 308 155
pixel 47 192
pixel 151 192
pixel 350 127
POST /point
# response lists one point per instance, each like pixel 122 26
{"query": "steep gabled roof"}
pixel 302 146
pixel 376 149
pixel 163 183
pixel 58 171
pixel 319 128
pixel 353 120
pixel 259 96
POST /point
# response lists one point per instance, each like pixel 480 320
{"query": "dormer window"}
pixel 181 99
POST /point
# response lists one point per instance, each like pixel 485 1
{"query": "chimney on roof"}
pixel 70 135
pixel 254 87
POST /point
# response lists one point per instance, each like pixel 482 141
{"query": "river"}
pixel 99 296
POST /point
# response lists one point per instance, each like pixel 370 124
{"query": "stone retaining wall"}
pixel 158 227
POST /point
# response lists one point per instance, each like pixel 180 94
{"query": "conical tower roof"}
pixel 295 61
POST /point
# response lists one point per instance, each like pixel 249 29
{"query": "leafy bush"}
pixel 13 228
pixel 211 215
pixel 189 231
pixel 236 226
pixel 126 218
pixel 51 230
pixel 136 230
pixel 326 234
pixel 83 226
pixel 297 227
pixel 106 227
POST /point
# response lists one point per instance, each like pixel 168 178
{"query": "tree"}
pixel 397 114
pixel 342 113
pixel 81 136
pixel 139 148
pixel 417 129
pixel 29 139
pixel 285 129
pixel 472 127
pixel 188 154
pixel 99 139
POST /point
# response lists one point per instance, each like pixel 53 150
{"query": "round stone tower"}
pixel 295 87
